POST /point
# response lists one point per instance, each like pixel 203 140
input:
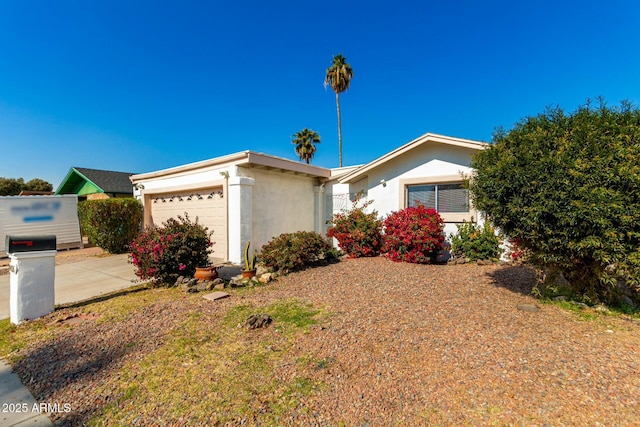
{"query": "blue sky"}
pixel 144 85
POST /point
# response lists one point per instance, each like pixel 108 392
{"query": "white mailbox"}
pixel 32 276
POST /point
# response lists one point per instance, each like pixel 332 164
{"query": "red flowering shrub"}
pixel 359 234
pixel 161 254
pixel 414 234
pixel 519 253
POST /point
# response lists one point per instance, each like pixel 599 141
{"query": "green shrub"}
pixel 475 242
pixel 414 234
pixel 296 251
pixel 359 234
pixel 567 186
pixel 111 224
pixel 161 254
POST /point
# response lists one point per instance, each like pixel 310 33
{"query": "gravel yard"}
pixel 401 344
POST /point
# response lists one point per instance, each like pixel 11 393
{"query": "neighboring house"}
pixel 251 196
pixel 93 184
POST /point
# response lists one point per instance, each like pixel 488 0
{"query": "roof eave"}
pixel 234 158
pixel 427 137
pixel 238 159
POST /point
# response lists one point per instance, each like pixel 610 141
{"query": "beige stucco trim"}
pixel 445 179
pixel 223 161
pixel 249 158
pixel 426 138
pixel 286 165
pixel 184 187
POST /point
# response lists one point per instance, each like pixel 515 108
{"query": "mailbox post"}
pixel 32 276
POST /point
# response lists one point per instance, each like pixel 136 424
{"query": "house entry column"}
pixel 240 216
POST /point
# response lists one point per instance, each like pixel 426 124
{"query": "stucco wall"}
pixel 282 203
pixel 429 162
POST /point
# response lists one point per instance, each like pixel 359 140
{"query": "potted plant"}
pixel 204 274
pixel 249 263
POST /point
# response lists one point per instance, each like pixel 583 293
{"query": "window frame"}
pixel 454 217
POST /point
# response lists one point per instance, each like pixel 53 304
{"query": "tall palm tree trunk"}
pixel 339 128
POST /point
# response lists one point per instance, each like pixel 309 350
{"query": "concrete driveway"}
pixel 82 280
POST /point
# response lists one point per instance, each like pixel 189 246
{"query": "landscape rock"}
pixel 256 321
pixel 214 296
pixel 628 301
pixel 219 286
pixel 601 309
pixel 265 278
pixel 528 307
pixel 560 298
pixel 443 256
pixel 192 282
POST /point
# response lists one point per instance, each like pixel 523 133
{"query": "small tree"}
pixel 37 184
pixel 567 188
pixel 358 233
pixel 11 186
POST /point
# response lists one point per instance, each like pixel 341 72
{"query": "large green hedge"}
pixel 111 224
pixel 567 187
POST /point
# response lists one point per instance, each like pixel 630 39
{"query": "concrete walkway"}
pixel 18 407
pixel 82 280
pixel 74 282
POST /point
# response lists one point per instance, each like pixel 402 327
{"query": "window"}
pixel 445 198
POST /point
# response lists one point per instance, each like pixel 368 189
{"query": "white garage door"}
pixel 207 205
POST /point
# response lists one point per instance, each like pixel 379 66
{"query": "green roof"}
pixel 84 181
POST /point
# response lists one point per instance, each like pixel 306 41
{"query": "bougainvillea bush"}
pixel 161 254
pixel 296 251
pixel 359 234
pixel 414 234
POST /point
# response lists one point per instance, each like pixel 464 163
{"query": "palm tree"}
pixel 339 76
pixel 305 141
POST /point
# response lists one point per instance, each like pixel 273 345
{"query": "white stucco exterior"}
pixel 266 196
pixel 283 203
pixel 430 159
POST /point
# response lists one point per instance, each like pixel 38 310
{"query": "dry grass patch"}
pixel 213 370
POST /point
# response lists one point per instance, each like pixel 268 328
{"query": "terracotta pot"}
pixel 205 273
pixel 248 273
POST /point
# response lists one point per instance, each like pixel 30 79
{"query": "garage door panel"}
pixel 208 207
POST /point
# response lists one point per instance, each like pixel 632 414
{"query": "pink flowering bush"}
pixel 359 234
pixel 414 234
pixel 161 254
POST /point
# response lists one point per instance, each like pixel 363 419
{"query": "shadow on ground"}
pixel 517 278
